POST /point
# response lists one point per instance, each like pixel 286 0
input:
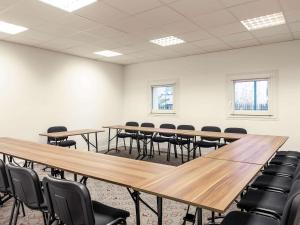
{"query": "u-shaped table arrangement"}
pixel 210 182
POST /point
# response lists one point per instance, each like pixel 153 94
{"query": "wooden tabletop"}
pixel 70 133
pixel 206 183
pixel 113 169
pixel 191 133
pixel 257 149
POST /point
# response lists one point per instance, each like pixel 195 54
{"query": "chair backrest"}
pixel 291 212
pixel 54 130
pixel 4 185
pixel 235 130
pixel 211 129
pixel 70 201
pixel 151 125
pixel 131 124
pixel 25 185
pixel 185 127
pixel 167 126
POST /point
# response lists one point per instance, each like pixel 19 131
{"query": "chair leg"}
pixel 75 146
pixel 181 154
pixel 200 154
pixel 130 146
pixel 17 213
pixel 44 218
pixel 188 149
pixel 124 144
pixel 12 212
pixel 23 209
pixel 158 148
pixel 175 151
pixel 151 148
pixel 168 152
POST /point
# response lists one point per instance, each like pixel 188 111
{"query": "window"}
pixel 252 94
pixel 163 98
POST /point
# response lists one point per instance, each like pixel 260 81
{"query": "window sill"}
pixel 162 113
pixel 252 117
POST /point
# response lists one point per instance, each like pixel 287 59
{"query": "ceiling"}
pixel 126 26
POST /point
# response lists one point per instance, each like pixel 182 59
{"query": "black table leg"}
pixel 96 140
pixel 108 140
pixel 199 216
pixel 159 211
pixel 88 141
pixel 137 207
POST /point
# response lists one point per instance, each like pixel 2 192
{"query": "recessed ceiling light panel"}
pixel 264 21
pixel 10 28
pixel 167 41
pixel 108 53
pixel 69 5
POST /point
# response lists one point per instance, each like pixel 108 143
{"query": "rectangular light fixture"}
pixel 264 21
pixel 108 53
pixel 167 41
pixel 10 28
pixel 69 5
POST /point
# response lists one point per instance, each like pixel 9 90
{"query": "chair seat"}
pixel 125 135
pixel 67 143
pixel 175 141
pixel 161 139
pixel 142 136
pixel 292 154
pixel 281 160
pixel 269 201
pixel 280 170
pixel 105 214
pixel 274 182
pixel 206 144
pixel 242 218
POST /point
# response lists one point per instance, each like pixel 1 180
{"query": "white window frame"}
pixel 172 83
pixel 271 76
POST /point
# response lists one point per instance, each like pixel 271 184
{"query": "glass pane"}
pixel 162 97
pixel 251 95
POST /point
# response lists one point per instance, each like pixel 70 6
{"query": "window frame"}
pixel 271 76
pixel 167 83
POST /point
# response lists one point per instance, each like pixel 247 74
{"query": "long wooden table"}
pixel 82 133
pixel 211 182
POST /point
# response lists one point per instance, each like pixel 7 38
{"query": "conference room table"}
pixel 212 182
pixel 84 133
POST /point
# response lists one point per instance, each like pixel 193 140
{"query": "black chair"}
pixel 268 202
pixel 235 130
pixel 70 203
pixel 145 137
pixel 280 170
pixel 291 215
pixel 182 141
pixel 26 188
pixel 284 161
pixel 276 183
pixel 4 185
pixel 127 134
pixel 292 154
pixel 61 141
pixel 207 142
pixel 162 137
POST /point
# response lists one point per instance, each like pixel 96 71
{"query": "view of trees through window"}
pixel 163 97
pixel 251 95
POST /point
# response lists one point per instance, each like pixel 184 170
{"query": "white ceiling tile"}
pixel 208 42
pixel 180 27
pixel 31 37
pixel 195 35
pixel 152 33
pixel 276 38
pixel 290 4
pixel 77 22
pixel 229 3
pixel 187 49
pixel 243 43
pixel 295 27
pixel 237 37
pixel 159 16
pixel 281 29
pixel 60 44
pixel 192 8
pixel 130 25
pixel 168 1
pixel 292 15
pixel 4 35
pixel 101 13
pixel 55 29
pixel 296 35
pixel 227 29
pixel 214 19
pixel 255 9
pixel 105 32
pixel 216 48
pixel 133 6
pixel 85 37
pixel 7 3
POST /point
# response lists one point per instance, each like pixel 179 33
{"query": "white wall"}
pixel 40 88
pixel 202 88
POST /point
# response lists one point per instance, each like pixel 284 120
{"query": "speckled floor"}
pixel 115 196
